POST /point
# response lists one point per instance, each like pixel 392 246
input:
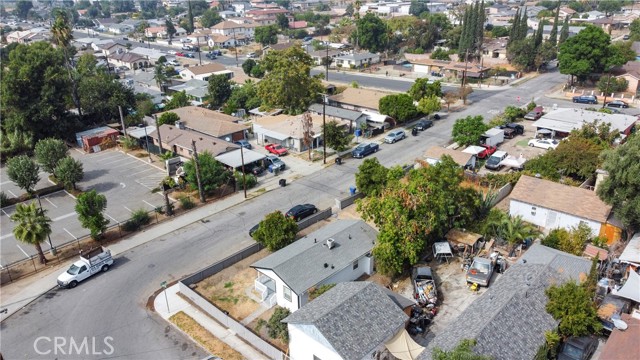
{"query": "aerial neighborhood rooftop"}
pixel 316 179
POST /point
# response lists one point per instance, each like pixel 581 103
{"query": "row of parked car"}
pixel 590 99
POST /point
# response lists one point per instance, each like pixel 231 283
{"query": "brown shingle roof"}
pixel 207 121
pixel 563 198
pixel 171 136
pixel 436 152
pixel 206 69
pixel 360 97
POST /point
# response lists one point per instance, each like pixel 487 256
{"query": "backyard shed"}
pixel 470 241
pixel 95 139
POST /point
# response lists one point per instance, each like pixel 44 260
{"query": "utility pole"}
pixel 606 90
pixel 195 161
pixel 464 77
pixel 199 52
pixel 235 45
pixel 324 127
pixel 124 129
pixel 481 70
pixel 155 118
pixel 244 175
pixel 326 60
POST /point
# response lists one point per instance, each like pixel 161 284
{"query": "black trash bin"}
pixel 339 160
pixel 282 182
pixel 414 131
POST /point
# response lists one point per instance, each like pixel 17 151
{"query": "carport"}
pixel 471 242
pixel 141 134
pixel 234 158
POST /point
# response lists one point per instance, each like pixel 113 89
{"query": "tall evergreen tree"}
pixel 524 26
pixel 479 30
pixel 564 32
pixel 553 35
pixel 190 16
pixel 515 26
pixel 538 34
pixel 464 43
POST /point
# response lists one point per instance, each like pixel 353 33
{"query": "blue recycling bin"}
pixel 358 132
pixel 352 190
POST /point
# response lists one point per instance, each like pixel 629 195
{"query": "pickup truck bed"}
pixel 424 285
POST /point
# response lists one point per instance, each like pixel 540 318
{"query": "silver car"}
pixel 395 135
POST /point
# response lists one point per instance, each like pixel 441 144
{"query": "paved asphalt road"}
pixel 113 304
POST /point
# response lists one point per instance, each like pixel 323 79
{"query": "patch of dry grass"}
pixel 201 335
pixel 227 289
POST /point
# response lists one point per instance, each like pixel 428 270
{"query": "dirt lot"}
pixel 204 337
pixel 228 288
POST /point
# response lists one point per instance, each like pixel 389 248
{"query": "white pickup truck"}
pixel 90 263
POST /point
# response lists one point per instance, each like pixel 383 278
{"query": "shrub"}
pixel 4 199
pixel 249 178
pixel 139 218
pixel 129 143
pixel 186 203
pixel 278 329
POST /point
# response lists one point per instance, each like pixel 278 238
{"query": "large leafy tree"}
pixel 90 207
pixel 35 92
pixel 288 83
pixel 371 178
pixel 69 171
pixel 171 30
pixel 178 100
pixel 219 90
pixel 276 231
pixel 571 304
pixel 212 172
pixel 428 105
pixel 168 117
pixel 33 226
pixel 336 137
pixel 585 53
pixel 49 152
pixel 371 33
pixel 102 96
pixel 428 203
pixel 608 7
pixel 22 8
pixel 398 106
pixel 621 187
pixel 468 130
pixel 23 171
pixel 243 97
pixel 423 87
pixel 267 35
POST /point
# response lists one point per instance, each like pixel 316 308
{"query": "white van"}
pixel 493 163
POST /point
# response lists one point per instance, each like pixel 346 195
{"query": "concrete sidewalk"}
pixel 177 304
pixel 14 296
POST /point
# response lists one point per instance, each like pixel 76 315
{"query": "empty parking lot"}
pixel 125 181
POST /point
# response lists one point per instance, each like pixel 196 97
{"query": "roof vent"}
pixel 330 243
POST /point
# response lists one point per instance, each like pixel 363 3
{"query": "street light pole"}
pixel 52 249
pixel 244 175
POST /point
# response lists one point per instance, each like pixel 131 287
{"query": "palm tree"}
pixel 160 75
pixel 33 226
pixel 62 36
pixel 515 230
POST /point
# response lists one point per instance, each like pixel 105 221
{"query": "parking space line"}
pixel 6 236
pixel 127 208
pixel 4 212
pixel 110 217
pixel 70 194
pixel 68 232
pixel 54 205
pixel 140 172
pixel 6 182
pixel 12 194
pixel 24 252
pixel 153 206
pixel 129 165
pixel 64 216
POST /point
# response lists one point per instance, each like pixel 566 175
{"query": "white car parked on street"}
pixel 544 143
pixel 395 135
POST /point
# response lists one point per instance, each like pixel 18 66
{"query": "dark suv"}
pixel 364 149
pixel 585 99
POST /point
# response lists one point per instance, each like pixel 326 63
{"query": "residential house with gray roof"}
pixel 338 252
pixel 353 320
pixel 509 320
pixel 351 118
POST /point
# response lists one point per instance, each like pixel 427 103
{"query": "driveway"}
pixel 125 181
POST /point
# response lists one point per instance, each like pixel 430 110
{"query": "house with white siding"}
pixel 338 252
pixel 552 205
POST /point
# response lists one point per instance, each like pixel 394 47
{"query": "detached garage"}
pixel 97 139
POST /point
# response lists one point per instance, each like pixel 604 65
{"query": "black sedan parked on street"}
pixel 300 212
